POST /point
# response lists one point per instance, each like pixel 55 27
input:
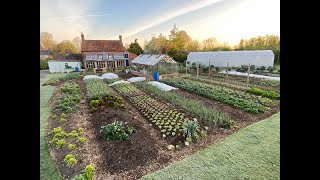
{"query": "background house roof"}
pixel 45 52
pixel 102 46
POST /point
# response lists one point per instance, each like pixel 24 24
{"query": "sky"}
pixel 226 20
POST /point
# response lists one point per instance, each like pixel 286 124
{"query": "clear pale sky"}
pixel 226 20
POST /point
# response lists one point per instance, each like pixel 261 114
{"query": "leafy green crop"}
pixel 116 131
pixel 208 113
pixel 96 89
pixel 70 160
pixel 264 93
pixel 87 173
pixel 168 120
pixel 234 98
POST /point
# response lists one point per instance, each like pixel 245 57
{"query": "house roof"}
pixel 153 59
pixel 45 52
pixel 63 57
pixel 102 46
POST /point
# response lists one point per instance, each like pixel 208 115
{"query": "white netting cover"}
pixel 91 77
pixel 162 86
pixel 109 76
pixel 118 82
pixel 136 79
pixel 251 75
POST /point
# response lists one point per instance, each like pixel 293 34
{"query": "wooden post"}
pixel 209 69
pixel 85 65
pixel 198 71
pixel 95 65
pixel 248 75
pixel 115 64
pixel 186 68
pixel 227 69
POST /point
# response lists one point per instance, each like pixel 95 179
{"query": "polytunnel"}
pixel 235 58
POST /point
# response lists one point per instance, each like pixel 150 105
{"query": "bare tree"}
pixel 46 41
pixel 77 43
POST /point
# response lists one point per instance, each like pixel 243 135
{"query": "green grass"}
pixel 47 169
pixel 251 153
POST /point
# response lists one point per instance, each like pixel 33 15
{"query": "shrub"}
pixel 44 64
pixel 252 68
pixel 190 128
pixel 116 131
pixel 87 173
pixel 71 146
pixel 70 160
pixel 270 69
pixel 262 68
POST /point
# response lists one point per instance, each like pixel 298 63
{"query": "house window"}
pixel 99 56
pixel 118 56
pixel 105 56
pixel 110 57
pixel 91 57
pixel 126 55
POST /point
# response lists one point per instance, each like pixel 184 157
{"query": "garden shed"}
pixel 235 58
pixel 61 66
pixel 160 63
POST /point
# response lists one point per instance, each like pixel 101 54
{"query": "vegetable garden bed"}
pixel 145 151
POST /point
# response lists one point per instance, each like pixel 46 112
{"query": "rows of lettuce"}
pixel 238 99
pixel 170 121
pixel 208 114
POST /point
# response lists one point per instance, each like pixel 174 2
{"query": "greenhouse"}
pixel 150 63
pixel 235 58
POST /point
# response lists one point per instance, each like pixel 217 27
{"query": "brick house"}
pixel 104 54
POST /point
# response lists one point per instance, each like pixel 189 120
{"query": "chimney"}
pixel 82 36
pixel 120 38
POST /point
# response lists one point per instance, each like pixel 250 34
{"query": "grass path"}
pixel 251 153
pixel 47 169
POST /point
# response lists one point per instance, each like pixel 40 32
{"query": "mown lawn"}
pixel 251 153
pixel 47 169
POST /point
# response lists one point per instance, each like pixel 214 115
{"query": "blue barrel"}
pixel 155 76
pixel 76 69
